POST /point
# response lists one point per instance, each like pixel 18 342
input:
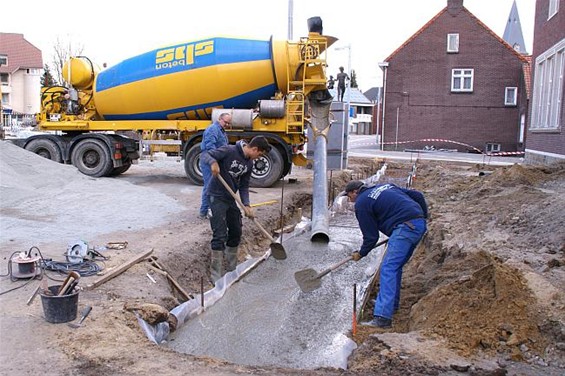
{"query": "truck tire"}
pixel 92 157
pixel 267 169
pixel 192 165
pixel 45 148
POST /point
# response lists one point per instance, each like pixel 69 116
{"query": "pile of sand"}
pixel 68 205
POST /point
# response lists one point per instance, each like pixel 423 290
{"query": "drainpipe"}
pixel 384 67
pixel 320 104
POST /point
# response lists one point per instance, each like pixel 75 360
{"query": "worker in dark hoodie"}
pixel 400 214
pixel 234 163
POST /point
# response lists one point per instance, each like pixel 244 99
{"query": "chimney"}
pixel 454 7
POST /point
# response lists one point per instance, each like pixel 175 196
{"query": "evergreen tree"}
pixel 47 79
pixel 354 79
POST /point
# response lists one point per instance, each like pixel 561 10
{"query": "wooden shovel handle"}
pixel 334 267
pixel 337 265
pixel 238 200
pixel 263 230
pixel 232 193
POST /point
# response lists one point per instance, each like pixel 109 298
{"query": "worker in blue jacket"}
pixel 400 214
pixel 213 137
pixel 234 163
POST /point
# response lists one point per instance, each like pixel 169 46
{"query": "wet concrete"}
pixel 265 319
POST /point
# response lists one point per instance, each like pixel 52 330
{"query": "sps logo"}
pixel 182 55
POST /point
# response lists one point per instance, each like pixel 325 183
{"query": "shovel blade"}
pixel 278 251
pixel 307 280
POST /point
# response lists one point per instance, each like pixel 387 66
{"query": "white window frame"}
pixel 5 82
pixel 548 89
pixel 511 96
pixel 492 147
pixel 453 43
pixel 458 78
pixel 3 59
pixel 553 8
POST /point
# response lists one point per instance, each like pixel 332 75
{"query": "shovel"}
pixel 84 313
pixel 277 249
pixel 309 280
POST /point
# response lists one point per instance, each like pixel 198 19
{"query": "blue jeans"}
pixel 401 245
pixel 207 176
pixel 225 222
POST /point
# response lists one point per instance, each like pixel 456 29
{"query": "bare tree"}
pixel 64 49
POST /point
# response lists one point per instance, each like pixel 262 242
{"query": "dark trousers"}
pixel 225 222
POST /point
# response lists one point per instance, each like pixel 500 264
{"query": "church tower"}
pixel 513 32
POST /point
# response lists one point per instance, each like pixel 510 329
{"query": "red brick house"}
pixel 546 136
pixel 455 79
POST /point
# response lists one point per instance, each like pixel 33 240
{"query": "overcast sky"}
pixel 113 30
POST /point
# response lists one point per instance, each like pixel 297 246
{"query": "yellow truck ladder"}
pixel 312 60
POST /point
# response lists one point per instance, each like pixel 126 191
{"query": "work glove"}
pixel 215 169
pixel 249 212
pixel 356 256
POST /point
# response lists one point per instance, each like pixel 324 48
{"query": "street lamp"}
pixel 348 90
pixel 384 67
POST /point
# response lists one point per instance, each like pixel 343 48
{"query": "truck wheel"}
pixel 45 148
pixel 192 165
pixel 92 158
pixel 267 169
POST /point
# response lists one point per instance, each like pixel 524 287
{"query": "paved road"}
pixel 366 146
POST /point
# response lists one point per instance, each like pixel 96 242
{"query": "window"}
pixel 452 43
pixel 462 80
pixel 511 96
pixel 4 78
pixel 548 88
pixel 5 98
pixel 553 8
pixel 3 59
pixel 491 147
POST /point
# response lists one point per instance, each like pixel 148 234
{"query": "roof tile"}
pixel 21 53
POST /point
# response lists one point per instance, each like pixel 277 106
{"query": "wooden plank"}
pixel 119 270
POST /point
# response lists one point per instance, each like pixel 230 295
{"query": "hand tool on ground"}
pixel 277 249
pixel 84 313
pixel 309 280
pixel 32 297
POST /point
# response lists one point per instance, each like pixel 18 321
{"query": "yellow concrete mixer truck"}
pixel 171 94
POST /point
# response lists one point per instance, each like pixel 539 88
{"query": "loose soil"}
pixel 484 293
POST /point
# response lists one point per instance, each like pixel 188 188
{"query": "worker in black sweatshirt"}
pixel 234 163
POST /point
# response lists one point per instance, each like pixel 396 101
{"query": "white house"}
pixel 21 66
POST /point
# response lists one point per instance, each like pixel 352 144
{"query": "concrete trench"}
pixel 266 320
pixel 262 318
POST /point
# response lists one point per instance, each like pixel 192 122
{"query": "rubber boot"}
pixel 216 265
pixel 231 258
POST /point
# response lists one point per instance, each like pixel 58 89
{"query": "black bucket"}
pixel 59 309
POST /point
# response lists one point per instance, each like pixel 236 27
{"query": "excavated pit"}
pixel 266 320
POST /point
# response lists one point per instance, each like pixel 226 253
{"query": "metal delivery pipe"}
pixel 320 124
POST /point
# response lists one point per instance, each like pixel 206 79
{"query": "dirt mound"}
pixel 490 309
pixel 517 174
pixel 488 278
